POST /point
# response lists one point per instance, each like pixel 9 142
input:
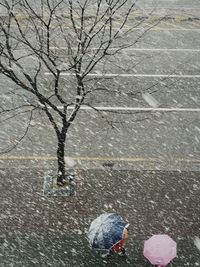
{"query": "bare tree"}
pixel 55 37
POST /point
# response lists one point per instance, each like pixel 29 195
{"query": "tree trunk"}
pixel 61 177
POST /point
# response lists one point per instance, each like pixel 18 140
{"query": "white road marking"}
pixel 131 29
pixel 170 29
pixel 197 242
pixel 88 158
pixel 140 49
pixel 150 100
pixel 102 108
pixel 162 49
pixel 131 75
pixel 151 29
pixel 158 7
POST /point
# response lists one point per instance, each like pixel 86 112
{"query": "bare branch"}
pixel 22 137
pixel 28 55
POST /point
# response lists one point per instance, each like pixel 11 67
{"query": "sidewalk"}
pixel 41 231
pixel 72 250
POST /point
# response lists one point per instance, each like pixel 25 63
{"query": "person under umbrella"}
pixel 119 247
pixel 109 232
pixel 160 249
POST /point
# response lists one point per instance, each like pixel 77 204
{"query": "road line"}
pixel 101 108
pixel 158 7
pixel 125 159
pixel 131 29
pixel 141 15
pixel 167 23
pixel 130 75
pixel 161 49
pixel 140 49
pixel 162 29
pixel 79 158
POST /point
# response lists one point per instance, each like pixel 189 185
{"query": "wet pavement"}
pixel 72 250
pixel 51 231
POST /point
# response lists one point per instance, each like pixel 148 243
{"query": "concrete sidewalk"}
pixel 40 231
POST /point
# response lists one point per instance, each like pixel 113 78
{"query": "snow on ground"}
pixel 197 242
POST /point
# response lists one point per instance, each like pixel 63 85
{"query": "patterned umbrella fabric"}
pixel 106 230
pixel 160 249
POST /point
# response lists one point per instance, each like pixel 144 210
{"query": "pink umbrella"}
pixel 160 250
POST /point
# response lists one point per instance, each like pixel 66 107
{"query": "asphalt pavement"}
pixel 72 250
pixel 37 230
pixel 170 48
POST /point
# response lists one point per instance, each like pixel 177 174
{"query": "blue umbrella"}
pixel 106 230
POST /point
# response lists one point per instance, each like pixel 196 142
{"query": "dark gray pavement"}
pixel 72 250
pixel 40 231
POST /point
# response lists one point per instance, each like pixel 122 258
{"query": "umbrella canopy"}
pixel 160 249
pixel 106 230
